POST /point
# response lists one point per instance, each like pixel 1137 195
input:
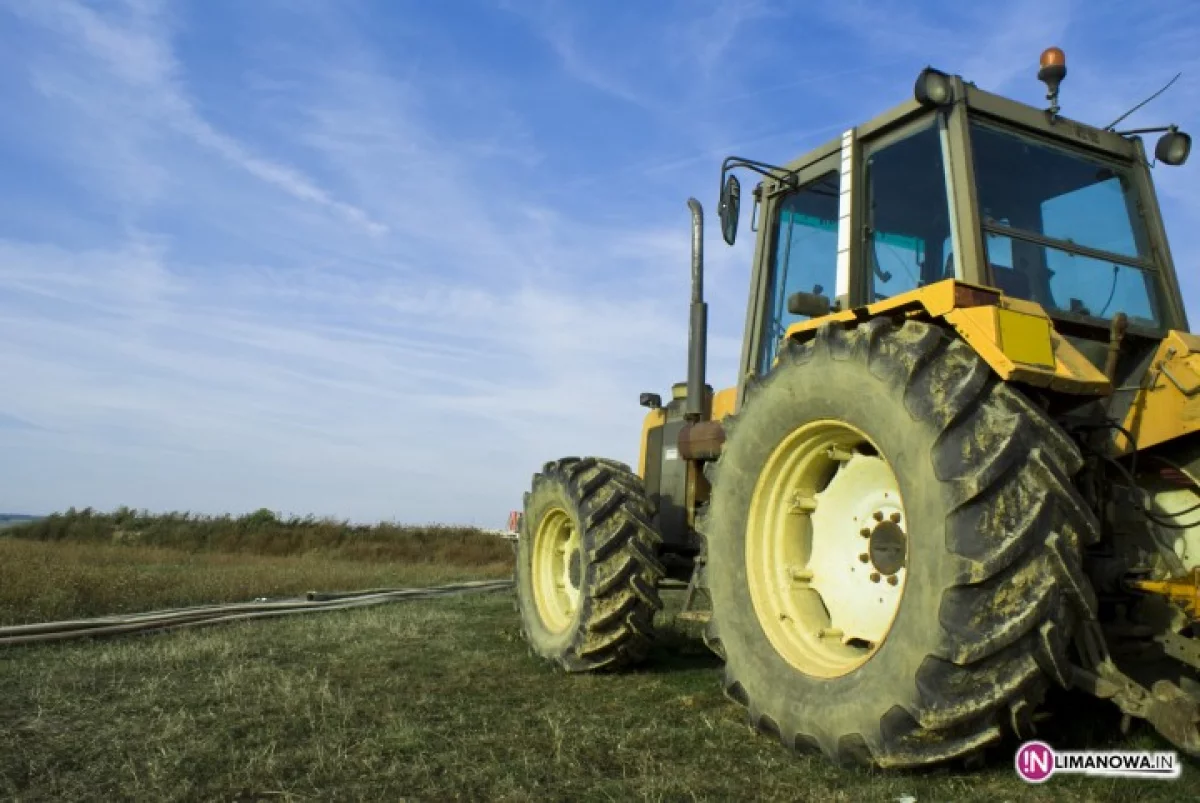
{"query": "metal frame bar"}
pixel 970 254
pixel 1070 248
pixel 1174 312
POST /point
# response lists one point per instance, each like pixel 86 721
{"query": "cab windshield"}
pixel 1063 228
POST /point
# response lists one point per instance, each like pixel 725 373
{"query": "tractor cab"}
pixel 962 184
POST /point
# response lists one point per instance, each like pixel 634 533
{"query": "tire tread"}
pixel 1007 621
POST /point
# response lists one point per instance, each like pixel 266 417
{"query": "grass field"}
pixel 434 700
pixel 423 700
pixel 263 533
pixel 51 581
pixel 89 564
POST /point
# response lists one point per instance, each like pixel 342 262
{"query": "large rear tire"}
pixel 920 613
pixel 587 570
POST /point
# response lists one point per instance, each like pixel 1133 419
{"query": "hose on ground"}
pixel 194 616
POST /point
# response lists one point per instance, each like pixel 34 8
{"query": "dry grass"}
pixel 82 563
pixel 262 533
pixel 433 701
pixel 42 581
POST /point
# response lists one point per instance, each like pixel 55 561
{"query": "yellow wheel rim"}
pixel 556 570
pixel 826 548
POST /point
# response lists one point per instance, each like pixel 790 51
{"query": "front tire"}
pixel 587 570
pixel 974 528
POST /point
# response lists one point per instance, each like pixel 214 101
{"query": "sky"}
pixel 381 260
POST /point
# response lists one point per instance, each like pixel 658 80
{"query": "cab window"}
pixel 908 217
pixel 804 258
pixel 1062 228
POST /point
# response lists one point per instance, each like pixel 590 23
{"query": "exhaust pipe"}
pixel 698 328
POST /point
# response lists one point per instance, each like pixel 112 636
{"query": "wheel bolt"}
pixel 875 577
pixel 895 517
pixel 802 504
pixel 865 532
pixel 878 515
pixel 893 580
pixel 864 557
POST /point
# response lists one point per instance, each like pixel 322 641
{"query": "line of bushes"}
pixel 264 533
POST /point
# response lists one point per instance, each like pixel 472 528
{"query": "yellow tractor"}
pixel 961 462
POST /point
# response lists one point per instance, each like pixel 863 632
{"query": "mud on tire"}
pixel 983 627
pixel 616 570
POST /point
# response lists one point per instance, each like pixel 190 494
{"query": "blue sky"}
pixel 380 260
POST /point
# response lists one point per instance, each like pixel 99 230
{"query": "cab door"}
pixel 797 251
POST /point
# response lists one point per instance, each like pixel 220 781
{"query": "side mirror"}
pixel 729 208
pixel 650 400
pixel 1173 148
pixel 812 305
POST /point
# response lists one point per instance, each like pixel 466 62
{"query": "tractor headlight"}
pixel 933 88
pixel 1173 148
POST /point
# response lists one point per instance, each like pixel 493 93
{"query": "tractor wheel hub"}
pixel 887 547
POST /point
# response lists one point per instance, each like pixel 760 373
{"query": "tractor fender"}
pixel 1015 338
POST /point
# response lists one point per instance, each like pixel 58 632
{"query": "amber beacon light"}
pixel 1052 70
pixel 1054 57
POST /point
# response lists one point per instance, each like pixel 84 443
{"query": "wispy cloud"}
pixel 134 50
